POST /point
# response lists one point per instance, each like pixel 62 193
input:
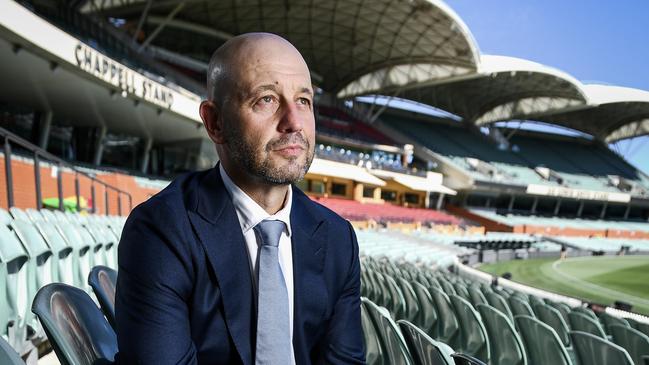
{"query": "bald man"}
pixel 235 265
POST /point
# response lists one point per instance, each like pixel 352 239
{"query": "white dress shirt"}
pixel 250 214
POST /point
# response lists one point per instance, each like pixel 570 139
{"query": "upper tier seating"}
pixel 354 210
pixel 580 163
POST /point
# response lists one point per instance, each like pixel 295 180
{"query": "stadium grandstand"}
pixel 100 112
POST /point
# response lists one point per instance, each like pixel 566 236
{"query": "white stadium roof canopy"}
pixel 348 44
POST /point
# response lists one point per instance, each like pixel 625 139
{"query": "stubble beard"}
pixel 258 161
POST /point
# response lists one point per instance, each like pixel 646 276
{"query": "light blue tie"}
pixel 273 323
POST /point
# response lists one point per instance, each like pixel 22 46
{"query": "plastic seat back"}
pixel 473 339
pixel 542 344
pixel 582 323
pixel 103 281
pixel 462 291
pixel 14 286
pixel 608 320
pixel 520 307
pixel 76 328
pixel 49 216
pixel 476 296
pixel 9 356
pixel 447 328
pixel 633 341
pixel 586 311
pixel 95 238
pixel 18 213
pixel 425 350
pixel 640 326
pixel 506 347
pixel 5 217
pixel 65 263
pixel 427 316
pixel 553 318
pixel 594 350
pixel 82 254
pixel 498 301
pixel 397 303
pixel 34 215
pixel 447 287
pixel 412 305
pixel 373 352
pixel 392 342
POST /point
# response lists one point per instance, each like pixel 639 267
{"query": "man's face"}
pixel 268 120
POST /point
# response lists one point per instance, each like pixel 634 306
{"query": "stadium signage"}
pixel 580 194
pixel 116 74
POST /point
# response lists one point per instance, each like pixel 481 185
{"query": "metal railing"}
pixel 38 154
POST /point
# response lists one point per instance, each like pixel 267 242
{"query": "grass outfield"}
pixel 602 279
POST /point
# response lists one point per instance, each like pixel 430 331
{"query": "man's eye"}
pixel 304 101
pixel 267 99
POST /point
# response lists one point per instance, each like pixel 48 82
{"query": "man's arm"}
pixel 344 338
pixel 153 283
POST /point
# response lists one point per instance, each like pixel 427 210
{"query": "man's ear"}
pixel 213 121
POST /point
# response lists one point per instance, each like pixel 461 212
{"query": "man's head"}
pixel 259 111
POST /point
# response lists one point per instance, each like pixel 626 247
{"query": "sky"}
pixel 595 41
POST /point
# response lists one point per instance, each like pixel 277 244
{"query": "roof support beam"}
pixel 161 26
pixel 140 23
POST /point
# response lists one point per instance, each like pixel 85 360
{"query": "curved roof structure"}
pixel 347 43
pixel 612 114
pixel 503 88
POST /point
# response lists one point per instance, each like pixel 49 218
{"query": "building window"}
pixel 338 189
pixel 412 198
pixel 368 192
pixel 303 184
pixel 389 195
pixel 317 187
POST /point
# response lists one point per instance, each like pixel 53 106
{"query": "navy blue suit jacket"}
pixel 184 289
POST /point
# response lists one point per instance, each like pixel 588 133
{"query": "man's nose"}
pixel 292 120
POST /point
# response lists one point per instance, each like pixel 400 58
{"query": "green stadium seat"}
pixel 542 344
pixel 373 353
pixel 14 287
pixel 447 287
pixel 447 328
pixel 397 303
pixel 82 252
pixel 392 342
pixel 553 318
pixel 34 215
pixel 506 347
pixel 461 290
pixel 608 320
pixel 476 296
pixel 425 350
pixel 412 305
pixel 49 215
pixel 5 217
pixel 498 301
pixel 91 234
pixel 473 338
pixel 18 213
pixel 586 311
pixel 9 356
pixel 64 260
pixel 520 307
pixel 594 350
pixel 535 300
pixel 427 316
pixel 640 326
pixel 563 308
pixel 583 323
pixel 633 341
pixel 41 264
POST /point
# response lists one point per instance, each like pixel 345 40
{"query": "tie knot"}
pixel 269 231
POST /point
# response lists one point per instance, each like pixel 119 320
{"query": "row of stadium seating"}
pixel 354 210
pixel 579 165
pixel 40 247
pixel 495 325
pixel 513 219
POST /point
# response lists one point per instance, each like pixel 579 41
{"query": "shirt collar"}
pixel 249 212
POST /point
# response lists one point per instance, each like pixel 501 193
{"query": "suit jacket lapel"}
pixel 310 293
pixel 217 227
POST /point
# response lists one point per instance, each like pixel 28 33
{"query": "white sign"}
pixel 581 194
